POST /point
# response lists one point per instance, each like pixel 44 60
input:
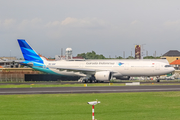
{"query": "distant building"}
pixel 176 64
pixel 137 52
pixel 77 58
pixel 9 62
pixel 171 55
pixel 8 58
pixel 68 56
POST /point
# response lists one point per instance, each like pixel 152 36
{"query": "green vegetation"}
pixel 130 57
pixel 119 57
pixel 113 106
pixel 151 57
pixel 91 55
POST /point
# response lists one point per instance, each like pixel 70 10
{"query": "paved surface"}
pixel 108 89
pixel 75 82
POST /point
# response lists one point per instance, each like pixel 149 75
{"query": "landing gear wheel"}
pixel 158 80
pixel 84 81
pixel 96 81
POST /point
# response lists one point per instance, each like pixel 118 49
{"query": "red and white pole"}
pixel 93 103
pixel 93 112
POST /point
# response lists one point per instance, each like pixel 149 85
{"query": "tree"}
pixel 91 55
pixel 130 57
pixel 101 57
pixel 83 55
pixel 151 57
pixel 119 57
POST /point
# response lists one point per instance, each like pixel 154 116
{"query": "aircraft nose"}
pixel 172 69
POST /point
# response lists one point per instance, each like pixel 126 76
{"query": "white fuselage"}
pixel 117 67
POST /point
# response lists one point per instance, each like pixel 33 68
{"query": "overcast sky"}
pixel 108 27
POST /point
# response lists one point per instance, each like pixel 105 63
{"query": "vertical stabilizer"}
pixel 28 53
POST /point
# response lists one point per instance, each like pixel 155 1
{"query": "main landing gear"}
pixel 89 80
pixel 158 79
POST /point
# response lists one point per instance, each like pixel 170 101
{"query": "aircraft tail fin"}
pixel 28 53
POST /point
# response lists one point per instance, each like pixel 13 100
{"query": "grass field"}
pixel 113 106
pixel 75 85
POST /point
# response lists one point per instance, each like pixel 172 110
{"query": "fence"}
pixel 14 76
pixel 49 77
pixel 33 76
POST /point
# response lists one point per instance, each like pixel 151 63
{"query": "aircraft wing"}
pixel 82 70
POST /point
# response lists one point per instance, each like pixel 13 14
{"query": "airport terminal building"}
pixel 171 55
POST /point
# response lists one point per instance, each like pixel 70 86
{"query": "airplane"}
pixel 94 70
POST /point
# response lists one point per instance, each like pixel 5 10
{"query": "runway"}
pixel 107 89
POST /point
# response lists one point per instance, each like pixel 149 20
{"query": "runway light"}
pixel 110 83
pixel 85 85
pixel 93 103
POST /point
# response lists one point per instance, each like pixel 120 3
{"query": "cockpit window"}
pixel 168 65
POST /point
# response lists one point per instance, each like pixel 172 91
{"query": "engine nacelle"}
pixel 103 75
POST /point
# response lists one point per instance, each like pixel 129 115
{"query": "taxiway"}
pixel 106 89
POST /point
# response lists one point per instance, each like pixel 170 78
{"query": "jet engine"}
pixel 103 75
